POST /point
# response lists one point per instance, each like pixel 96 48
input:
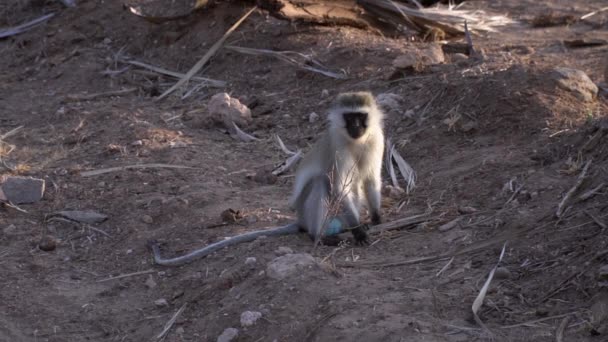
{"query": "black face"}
pixel 356 124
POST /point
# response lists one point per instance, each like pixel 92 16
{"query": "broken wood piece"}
pixel 239 134
pixel 136 166
pixel 89 97
pixel 199 65
pixel 288 164
pixel 126 275
pixel 20 190
pixel 562 205
pixel 587 195
pixel 282 146
pixel 450 225
pixel 290 57
pixel 83 216
pixel 11 31
pixel 583 43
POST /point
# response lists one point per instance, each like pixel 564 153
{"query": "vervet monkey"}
pixel 342 170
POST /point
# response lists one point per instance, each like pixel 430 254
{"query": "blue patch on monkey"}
pixel 334 227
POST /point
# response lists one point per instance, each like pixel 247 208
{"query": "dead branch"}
pixel 136 166
pixel 170 323
pixel 89 97
pixel 126 275
pixel 199 65
pixel 587 195
pixel 11 31
pixel 210 82
pixel 562 205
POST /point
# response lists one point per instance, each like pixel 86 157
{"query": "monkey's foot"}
pixel 360 235
pixel 331 240
pixel 376 219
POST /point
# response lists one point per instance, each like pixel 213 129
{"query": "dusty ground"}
pixel 521 129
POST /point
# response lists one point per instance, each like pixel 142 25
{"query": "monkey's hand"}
pixel 360 235
pixel 376 219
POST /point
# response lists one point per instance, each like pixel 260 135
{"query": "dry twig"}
pixel 562 205
pixel 11 31
pixel 587 195
pixel 89 97
pixel 170 323
pixel 559 334
pixel 136 166
pixel 484 290
pixel 126 275
pixel 208 81
pixel 198 66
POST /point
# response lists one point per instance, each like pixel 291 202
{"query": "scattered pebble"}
pixel 248 318
pixel 47 243
pixel 502 273
pixel 161 302
pixel 147 219
pixel 324 93
pixel 287 265
pixel 228 335
pixel 150 283
pixel 313 117
pixel 283 250
pixel 250 261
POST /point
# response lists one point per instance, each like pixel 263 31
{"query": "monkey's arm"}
pixel 292 228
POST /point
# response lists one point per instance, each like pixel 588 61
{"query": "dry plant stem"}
pixel 136 166
pixel 597 220
pixel 482 293
pixel 199 65
pixel 170 323
pixel 11 31
pixel 562 205
pixel 88 97
pixel 126 275
pixel 159 70
pixel 10 133
pixel 444 267
pixel 559 334
pixel 594 13
pixel 523 324
pixel 587 195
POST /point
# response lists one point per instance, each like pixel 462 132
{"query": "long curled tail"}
pixel 292 228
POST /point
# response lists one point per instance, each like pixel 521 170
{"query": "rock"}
pixel 450 225
pixel 47 243
pixel 282 250
pixel 603 272
pixel 161 302
pixel 150 283
pixel 324 93
pixel 147 219
pixel 467 210
pixel 19 190
pixel 502 273
pixel 224 109
pixel 228 335
pixel 250 261
pixel 459 58
pixel 231 216
pixel 313 117
pixel 248 318
pixel 180 330
pixel 10 230
pixel 418 59
pixel 577 82
pixel 286 265
pixel 84 216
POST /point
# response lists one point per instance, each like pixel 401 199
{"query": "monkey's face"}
pixel 355 124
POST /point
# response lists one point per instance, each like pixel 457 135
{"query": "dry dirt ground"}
pixel 516 146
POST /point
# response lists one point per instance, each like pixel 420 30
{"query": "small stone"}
pixel 228 335
pixel 458 58
pixel 313 117
pixel 248 318
pixel 502 273
pixel 101 184
pixel 287 265
pixel 225 109
pixel 283 250
pixel 250 261
pixel 147 219
pixel 603 272
pixel 161 302
pixel 251 219
pixel 467 210
pixel 19 190
pixel 179 330
pixel 410 114
pixel 10 230
pixel 150 283
pixel 324 93
pixel 47 243
pixel 577 82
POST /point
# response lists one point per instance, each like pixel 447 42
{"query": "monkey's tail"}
pixel 291 228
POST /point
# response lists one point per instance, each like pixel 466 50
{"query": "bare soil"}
pixel 516 146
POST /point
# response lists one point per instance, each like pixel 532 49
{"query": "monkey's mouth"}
pixel 355 132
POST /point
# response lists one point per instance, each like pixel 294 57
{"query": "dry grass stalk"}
pixel 170 323
pixel 89 97
pixel 242 136
pixel 288 164
pixel 562 205
pixel 484 290
pixel 136 166
pixel 559 334
pixel 594 13
pixel 199 65
pixel 444 267
pixel 126 275
pixel 587 195
pixel 11 31
pixel 290 57
pixel 208 81
pixel 406 170
pixel 282 146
